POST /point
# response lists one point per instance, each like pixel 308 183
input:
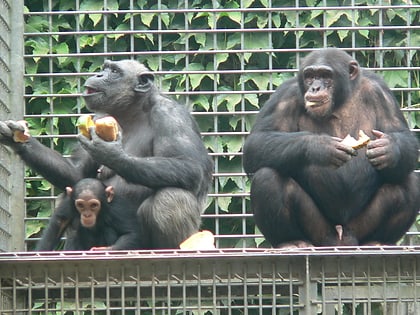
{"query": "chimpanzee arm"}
pixel 179 157
pixel 59 171
pixel 59 221
pixel 394 151
pixel 277 142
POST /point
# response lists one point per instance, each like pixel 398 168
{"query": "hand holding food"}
pixel 359 143
pixel 106 127
pixel 22 134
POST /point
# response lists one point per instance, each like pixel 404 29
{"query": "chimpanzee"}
pixel 158 164
pixel 309 188
pixel 94 222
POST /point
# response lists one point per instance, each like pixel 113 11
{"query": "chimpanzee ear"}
pixel 109 191
pixel 144 82
pixel 353 69
pixel 69 190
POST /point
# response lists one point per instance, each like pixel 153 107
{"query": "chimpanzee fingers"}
pixel 337 139
pixel 340 158
pixel 15 125
pixel 84 142
pixel 347 149
pixel 5 131
pixel 343 159
pixel 383 156
pixel 379 162
pixel 378 134
pixel 376 152
pixel 103 152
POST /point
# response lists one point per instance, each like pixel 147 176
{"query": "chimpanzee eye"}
pixel 79 205
pixel 94 205
pixel 327 81
pixel 309 79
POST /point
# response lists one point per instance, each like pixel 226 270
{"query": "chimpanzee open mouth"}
pixel 90 90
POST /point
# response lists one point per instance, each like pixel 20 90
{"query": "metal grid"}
pixel 228 214
pixel 327 281
pixel 11 92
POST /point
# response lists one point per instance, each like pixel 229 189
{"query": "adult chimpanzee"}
pixel 93 212
pixel 309 188
pixel 159 164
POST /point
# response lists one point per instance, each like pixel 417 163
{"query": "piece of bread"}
pixel 107 128
pixel 21 135
pixel 359 143
pixel 198 241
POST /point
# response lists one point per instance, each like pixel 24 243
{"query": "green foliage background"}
pixel 216 54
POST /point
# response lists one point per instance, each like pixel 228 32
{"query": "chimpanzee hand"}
pixel 381 152
pixel 104 152
pixel 329 151
pixel 12 132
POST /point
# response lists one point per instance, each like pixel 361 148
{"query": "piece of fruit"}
pixel 107 128
pixel 359 143
pixel 198 241
pixel 84 123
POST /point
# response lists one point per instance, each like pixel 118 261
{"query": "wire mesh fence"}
pixel 330 281
pixel 221 61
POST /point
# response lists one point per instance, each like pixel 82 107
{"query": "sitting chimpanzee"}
pixel 308 187
pixel 158 164
pixel 95 219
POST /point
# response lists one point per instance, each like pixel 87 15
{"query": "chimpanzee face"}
pixel 117 86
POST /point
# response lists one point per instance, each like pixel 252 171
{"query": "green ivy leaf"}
pixel 36 24
pixel 396 78
pixel 247 3
pixel 233 143
pixel 256 40
pixel 147 18
pixel 234 16
pixel 261 80
pixel 223 203
pixel 342 35
pixel 91 6
pixel 61 48
pixel 252 99
pixel 122 28
pixel 195 79
pixel 200 38
pixel 276 20
pixel 202 101
pixel 231 101
pixel 220 58
pixel 40 47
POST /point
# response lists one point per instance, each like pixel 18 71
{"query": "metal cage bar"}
pixel 225 205
pixel 235 281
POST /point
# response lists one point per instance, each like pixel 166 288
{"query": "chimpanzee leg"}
pixel 286 214
pixel 59 221
pixel 168 217
pixel 391 212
